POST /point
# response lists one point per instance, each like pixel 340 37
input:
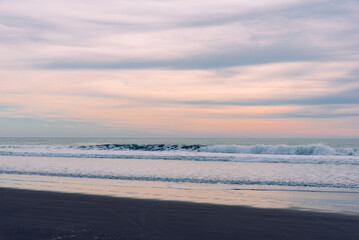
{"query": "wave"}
pixel 313 149
pixel 188 180
pixel 336 176
pixel 283 149
pixel 249 158
pixel 300 154
pixel 146 147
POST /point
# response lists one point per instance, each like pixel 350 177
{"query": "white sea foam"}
pixel 276 174
pixel 302 154
pixel 283 149
pixel 280 165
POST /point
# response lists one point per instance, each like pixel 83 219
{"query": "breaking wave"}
pixel 147 147
pixel 313 149
pixel 299 154
pixel 315 165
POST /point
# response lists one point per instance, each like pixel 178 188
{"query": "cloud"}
pixel 127 96
pixel 346 97
pixel 176 35
pixel 180 66
pixel 249 56
pixel 43 127
pixel 286 112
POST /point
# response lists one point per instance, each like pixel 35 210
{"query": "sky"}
pixel 178 68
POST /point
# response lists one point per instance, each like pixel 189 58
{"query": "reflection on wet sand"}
pixel 255 196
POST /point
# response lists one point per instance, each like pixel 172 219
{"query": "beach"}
pixel 93 188
pixel 179 120
pixel 27 214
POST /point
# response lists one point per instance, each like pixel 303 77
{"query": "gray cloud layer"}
pixel 298 31
pixel 207 54
pixel 346 97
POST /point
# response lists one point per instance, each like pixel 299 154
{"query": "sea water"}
pixel 312 173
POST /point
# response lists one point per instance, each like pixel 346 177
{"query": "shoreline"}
pixel 30 214
pixel 322 200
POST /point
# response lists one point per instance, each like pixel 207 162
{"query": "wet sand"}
pixel 26 214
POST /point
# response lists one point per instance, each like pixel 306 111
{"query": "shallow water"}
pixel 317 174
pixel 318 199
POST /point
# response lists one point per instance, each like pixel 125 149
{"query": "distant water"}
pixel 307 163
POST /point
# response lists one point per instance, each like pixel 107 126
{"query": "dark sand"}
pixel 28 215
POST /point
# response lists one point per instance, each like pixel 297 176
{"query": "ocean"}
pixel 213 169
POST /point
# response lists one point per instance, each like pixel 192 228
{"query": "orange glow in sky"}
pixel 154 68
